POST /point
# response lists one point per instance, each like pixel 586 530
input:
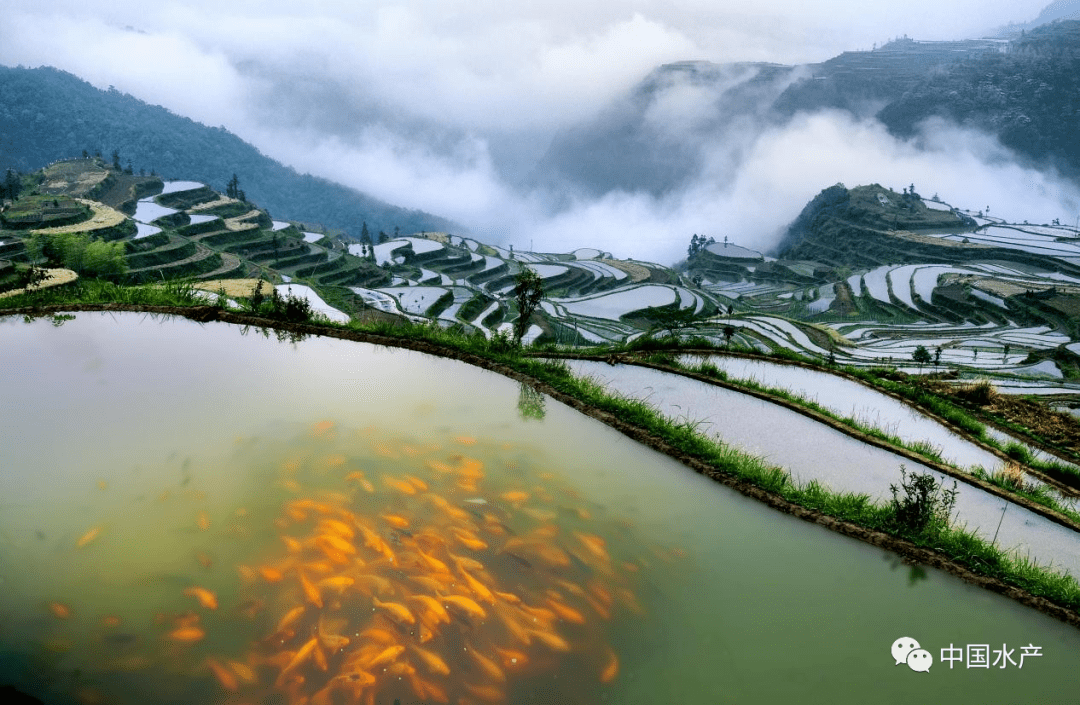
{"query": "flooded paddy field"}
pixel 195 515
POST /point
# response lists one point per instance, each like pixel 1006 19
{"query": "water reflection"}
pixel 530 402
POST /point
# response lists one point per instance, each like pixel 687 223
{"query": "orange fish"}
pixel 378 635
pixel 338 582
pixel 466 440
pixel 434 563
pixel 611 669
pixel 465 604
pixel 399 485
pixel 354 476
pixel 290 617
pixel 246 673
pixel 439 466
pixel 310 591
pixel 478 588
pixel 398 611
pixel 204 560
pixel 203 521
pixel 486 665
pixel 551 640
pixel 486 692
pixel 384 657
pixel 292 545
pixel 594 544
pixel 338 527
pixel 271 575
pixel 368 487
pixel 417 482
pixel 187 634
pixel 431 661
pixel 225 677
pixel 567 613
pixel 336 543
pixel 111 621
pixel 395 521
pixel 302 654
pixel 205 597
pixel 89 536
pixel 60 610
pixel 515 497
pixel 468 539
pixel 433 606
pixel 512 659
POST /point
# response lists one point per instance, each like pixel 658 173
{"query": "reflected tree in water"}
pixel 530 402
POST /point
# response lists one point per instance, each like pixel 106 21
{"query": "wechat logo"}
pixel 907 650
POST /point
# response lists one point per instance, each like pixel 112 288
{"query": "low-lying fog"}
pixel 451 107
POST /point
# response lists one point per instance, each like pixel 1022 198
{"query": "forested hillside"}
pixel 47 115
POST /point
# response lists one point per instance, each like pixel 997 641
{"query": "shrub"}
pixel 925 507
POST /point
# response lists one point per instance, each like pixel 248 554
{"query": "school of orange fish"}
pixel 412 580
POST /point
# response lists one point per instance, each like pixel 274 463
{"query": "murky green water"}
pixel 179 455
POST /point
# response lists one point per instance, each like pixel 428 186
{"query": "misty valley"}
pixel 271 439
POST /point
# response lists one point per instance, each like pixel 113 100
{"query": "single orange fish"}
pixel 551 640
pixel 111 621
pixel 271 575
pixel 567 613
pixel 515 497
pixel 478 588
pixel 417 482
pixel 385 657
pixel 512 659
pixel 611 669
pixel 310 591
pixel 224 676
pixel 203 521
pixel 335 526
pixel 187 634
pixel 302 655
pixel 246 673
pixel 395 521
pixel 431 661
pixel 290 617
pixel 89 536
pixel 465 604
pixel 206 598
pixel 399 485
pixel 339 583
pixel 398 611
pixel 488 693
pixel 60 610
pixel 433 605
pixel 486 665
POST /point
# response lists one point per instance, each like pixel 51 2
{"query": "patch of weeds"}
pixel 924 508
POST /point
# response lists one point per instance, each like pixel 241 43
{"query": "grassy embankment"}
pixel 950 548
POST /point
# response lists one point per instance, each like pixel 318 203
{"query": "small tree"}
pixel 937 355
pixel 528 291
pixel 232 189
pixel 729 333
pixel 921 356
pixel 116 159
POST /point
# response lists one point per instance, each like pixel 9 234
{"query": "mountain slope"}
pixel 1025 93
pixel 47 115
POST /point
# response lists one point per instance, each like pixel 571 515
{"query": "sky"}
pixel 445 106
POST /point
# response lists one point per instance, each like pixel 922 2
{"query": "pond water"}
pixel 810 450
pixel 178 501
pixel 846 398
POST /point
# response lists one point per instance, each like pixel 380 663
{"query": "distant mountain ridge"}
pixel 1025 92
pixel 48 115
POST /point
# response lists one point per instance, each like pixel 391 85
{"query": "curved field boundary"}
pixel 858 435
pixel 903 547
